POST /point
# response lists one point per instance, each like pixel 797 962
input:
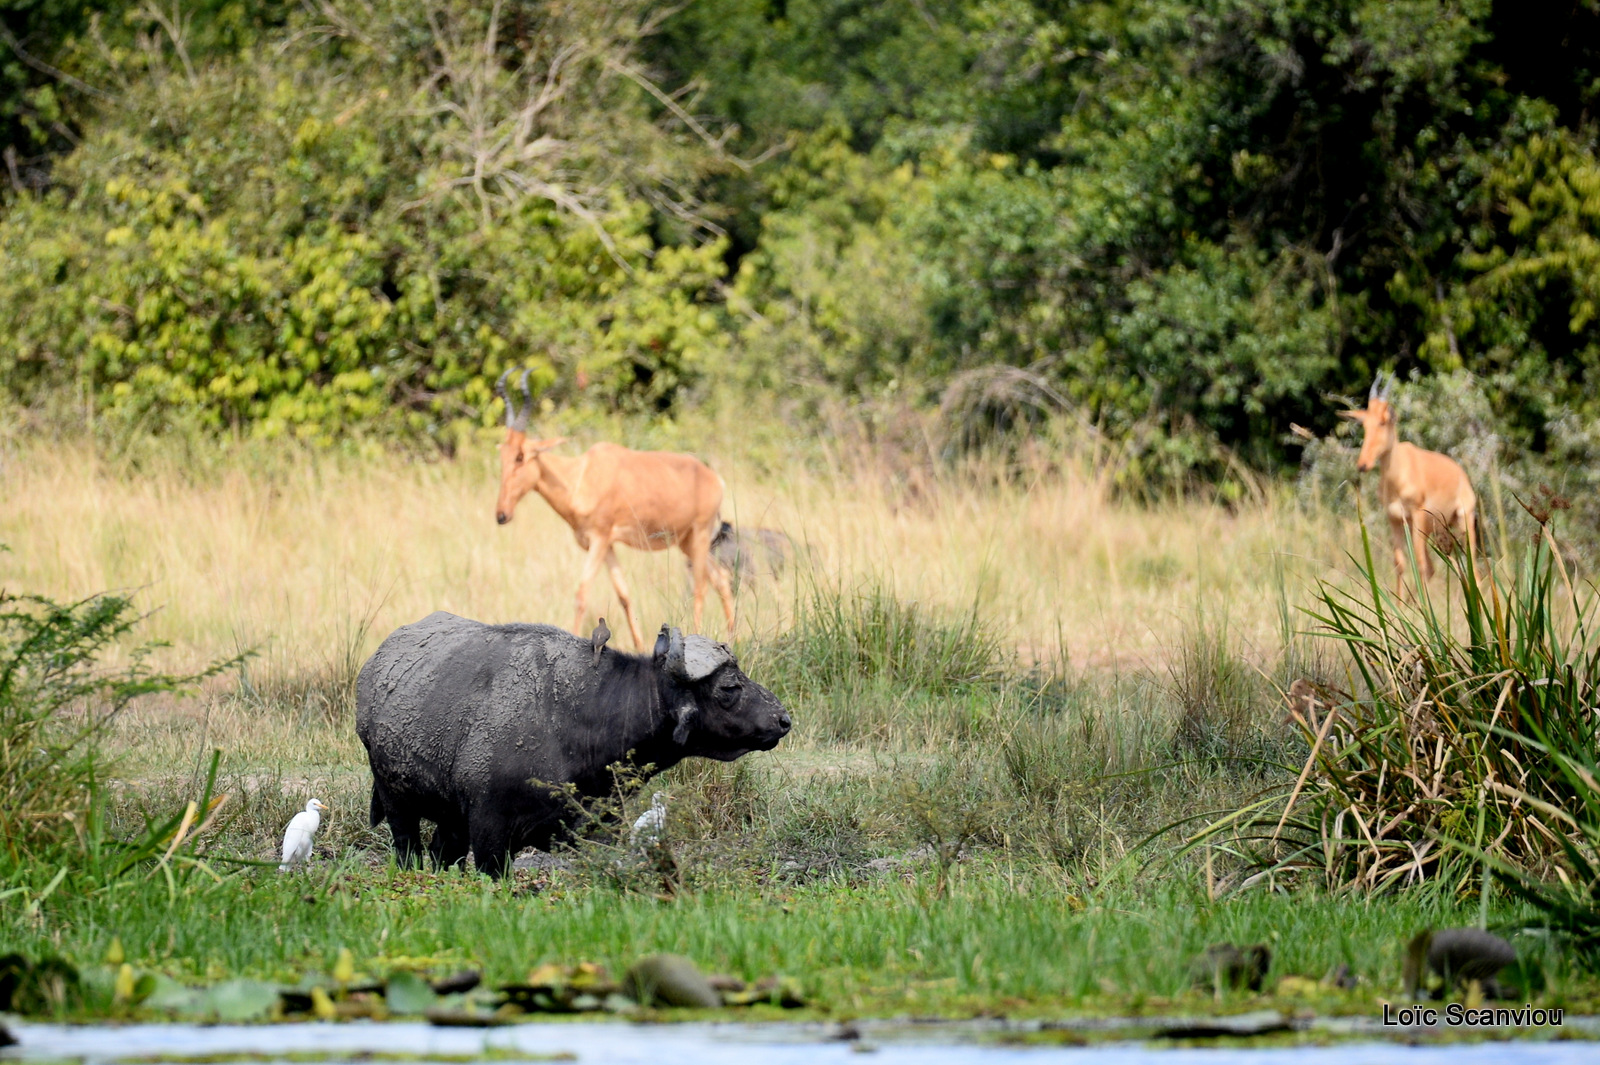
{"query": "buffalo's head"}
pixel 718 712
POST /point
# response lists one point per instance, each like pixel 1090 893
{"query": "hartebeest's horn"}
pixel 1388 387
pixel 500 387
pixel 516 417
pixel 1375 391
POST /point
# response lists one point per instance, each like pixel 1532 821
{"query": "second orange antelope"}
pixel 1424 494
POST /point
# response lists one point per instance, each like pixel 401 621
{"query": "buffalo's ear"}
pixel 686 712
pixel 660 650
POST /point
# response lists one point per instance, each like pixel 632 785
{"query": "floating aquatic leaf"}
pixel 408 993
pixel 669 980
pixel 242 1000
pixel 168 995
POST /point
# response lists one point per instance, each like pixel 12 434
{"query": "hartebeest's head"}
pixel 1377 420
pixel 520 468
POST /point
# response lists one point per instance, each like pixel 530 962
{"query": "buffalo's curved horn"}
pixel 702 657
pixel 675 663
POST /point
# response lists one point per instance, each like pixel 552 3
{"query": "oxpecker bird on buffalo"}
pixel 491 731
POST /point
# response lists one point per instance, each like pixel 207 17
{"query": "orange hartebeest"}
pixel 611 495
pixel 1423 493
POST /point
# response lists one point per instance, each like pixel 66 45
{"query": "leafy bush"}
pixel 303 241
pixel 57 700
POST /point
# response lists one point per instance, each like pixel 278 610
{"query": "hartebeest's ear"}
pixel 1354 415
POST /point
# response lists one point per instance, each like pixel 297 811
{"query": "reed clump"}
pixel 1456 741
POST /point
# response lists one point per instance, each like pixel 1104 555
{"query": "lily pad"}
pixel 408 993
pixel 169 996
pixel 669 980
pixel 242 1000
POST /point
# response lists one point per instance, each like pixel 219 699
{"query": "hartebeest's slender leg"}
pixel 719 577
pixel 1398 535
pixel 1421 529
pixel 591 565
pixel 621 587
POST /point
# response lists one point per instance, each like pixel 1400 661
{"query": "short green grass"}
pixel 999 940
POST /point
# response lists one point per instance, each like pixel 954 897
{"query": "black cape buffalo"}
pixel 478 728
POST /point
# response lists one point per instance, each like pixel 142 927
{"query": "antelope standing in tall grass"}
pixel 1424 494
pixel 649 500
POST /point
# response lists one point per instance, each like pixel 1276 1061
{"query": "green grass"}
pixel 1001 938
pixel 947 832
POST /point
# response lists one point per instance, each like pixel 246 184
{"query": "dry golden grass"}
pixel 312 558
pixel 293 556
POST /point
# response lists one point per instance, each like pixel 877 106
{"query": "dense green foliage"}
pixel 1188 222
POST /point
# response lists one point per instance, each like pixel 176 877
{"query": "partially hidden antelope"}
pixel 1424 494
pixel 649 500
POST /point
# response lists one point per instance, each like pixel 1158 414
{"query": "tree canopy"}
pixel 1185 223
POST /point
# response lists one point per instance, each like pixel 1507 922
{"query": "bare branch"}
pixel 176 28
pixel 45 68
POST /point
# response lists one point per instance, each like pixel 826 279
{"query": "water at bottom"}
pixel 707 1044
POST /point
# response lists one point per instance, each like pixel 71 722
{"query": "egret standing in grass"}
pixel 297 837
pixel 651 825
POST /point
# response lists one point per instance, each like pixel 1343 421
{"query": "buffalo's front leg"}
pixel 449 844
pixel 407 830
pixel 491 842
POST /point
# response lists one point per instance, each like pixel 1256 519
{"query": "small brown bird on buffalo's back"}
pixel 598 640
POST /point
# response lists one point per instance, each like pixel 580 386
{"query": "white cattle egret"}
pixel 651 825
pixel 297 837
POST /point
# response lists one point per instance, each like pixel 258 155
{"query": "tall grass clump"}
pixel 841 637
pixel 1218 695
pixel 1458 730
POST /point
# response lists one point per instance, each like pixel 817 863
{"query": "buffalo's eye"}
pixel 728 691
